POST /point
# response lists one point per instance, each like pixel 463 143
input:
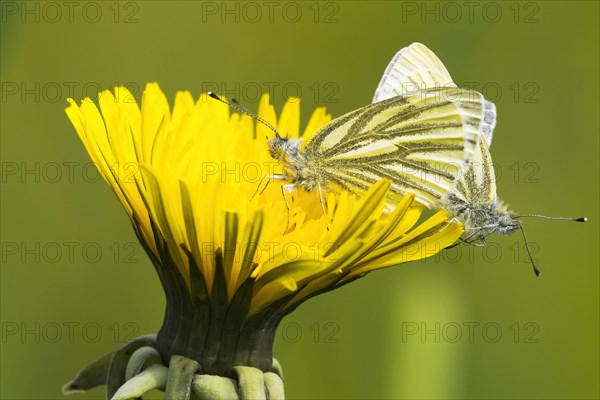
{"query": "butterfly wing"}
pixel 419 142
pixel 489 121
pixel 412 69
pixel 416 68
pixel 478 185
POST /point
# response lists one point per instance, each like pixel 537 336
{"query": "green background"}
pixel 538 61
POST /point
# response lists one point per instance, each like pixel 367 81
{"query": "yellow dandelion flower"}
pixel 232 263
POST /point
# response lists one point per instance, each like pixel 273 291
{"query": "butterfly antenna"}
pixel 581 219
pixel 535 270
pixel 237 106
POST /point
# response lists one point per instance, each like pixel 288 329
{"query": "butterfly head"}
pixel 282 148
pixel 506 222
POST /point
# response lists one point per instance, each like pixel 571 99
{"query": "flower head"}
pixel 232 258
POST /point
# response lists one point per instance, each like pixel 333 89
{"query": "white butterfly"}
pixel 420 140
pixel 473 201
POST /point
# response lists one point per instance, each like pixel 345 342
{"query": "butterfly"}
pixel 473 201
pixel 420 141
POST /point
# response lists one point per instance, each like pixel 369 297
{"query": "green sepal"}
pixel 179 381
pixel 118 363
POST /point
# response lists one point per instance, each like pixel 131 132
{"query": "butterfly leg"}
pixel 287 188
pixel 258 187
pixel 482 242
pixel 461 241
pixel 465 239
pixel 482 238
pixel 489 233
pixel 276 177
pixel 321 198
pixel 458 242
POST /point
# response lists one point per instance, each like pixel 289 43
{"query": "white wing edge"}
pixel 414 67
